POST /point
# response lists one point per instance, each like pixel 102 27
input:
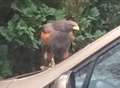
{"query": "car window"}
pixel 106 73
pixel 80 76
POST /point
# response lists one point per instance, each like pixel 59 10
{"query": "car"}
pixel 95 66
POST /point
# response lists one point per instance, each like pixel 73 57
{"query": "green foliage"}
pixel 95 17
pixel 23 28
pixel 90 26
pixel 4 63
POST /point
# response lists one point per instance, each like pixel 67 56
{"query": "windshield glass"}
pixel 106 73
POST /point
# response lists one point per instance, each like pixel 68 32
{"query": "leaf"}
pixel 35 44
pixel 99 33
pixel 21 43
pixel 31 29
pixel 59 14
pixel 51 11
pixel 38 17
pixel 4 33
pixel 94 12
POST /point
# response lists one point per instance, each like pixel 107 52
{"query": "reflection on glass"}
pixel 107 73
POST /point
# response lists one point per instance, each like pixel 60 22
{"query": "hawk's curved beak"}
pixel 76 28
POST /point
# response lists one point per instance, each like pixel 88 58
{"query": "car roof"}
pixel 42 79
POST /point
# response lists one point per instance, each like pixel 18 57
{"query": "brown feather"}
pixel 58 36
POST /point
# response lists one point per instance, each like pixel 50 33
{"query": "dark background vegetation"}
pixel 21 21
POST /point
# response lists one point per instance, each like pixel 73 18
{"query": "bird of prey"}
pixel 57 37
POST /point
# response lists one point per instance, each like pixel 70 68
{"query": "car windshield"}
pixel 106 73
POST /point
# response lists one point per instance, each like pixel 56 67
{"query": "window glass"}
pixel 80 77
pixel 107 71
